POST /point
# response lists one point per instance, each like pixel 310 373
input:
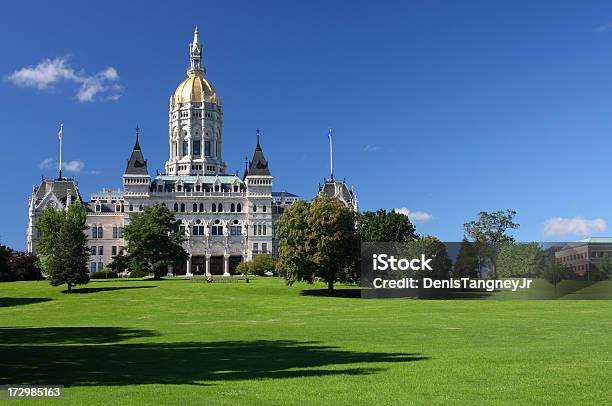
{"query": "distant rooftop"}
pixel 597 240
pixel 200 178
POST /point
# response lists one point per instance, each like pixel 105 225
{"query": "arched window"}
pixel 264 208
pixel 182 207
pixel 201 207
pixel 214 207
pixel 233 208
pixel 220 207
pixel 264 230
pixel 259 229
pixel 131 207
pixel 254 207
pixel 140 207
pixel 175 207
pixel 195 207
pixel 100 232
pixel 217 228
pixel 239 208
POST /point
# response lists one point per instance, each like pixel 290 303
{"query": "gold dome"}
pixel 195 89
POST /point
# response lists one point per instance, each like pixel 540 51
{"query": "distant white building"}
pixel 227 219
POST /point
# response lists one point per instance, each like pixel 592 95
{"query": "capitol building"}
pixel 227 219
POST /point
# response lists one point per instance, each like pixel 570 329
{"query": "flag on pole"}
pixel 331 156
pixel 59 134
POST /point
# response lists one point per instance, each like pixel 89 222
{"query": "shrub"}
pixel 243 268
pixel 261 264
pixel 137 273
pixel 104 274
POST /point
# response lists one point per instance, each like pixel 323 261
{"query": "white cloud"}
pixel 103 85
pixel 372 148
pixel 73 166
pixel 48 163
pixel 69 166
pixel 416 216
pixel 559 226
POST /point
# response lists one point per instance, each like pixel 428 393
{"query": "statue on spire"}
pixel 195 56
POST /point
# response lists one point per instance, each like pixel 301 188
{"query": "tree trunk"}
pixel 69 287
pixel 330 288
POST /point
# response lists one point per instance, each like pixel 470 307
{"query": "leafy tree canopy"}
pixel 519 260
pixel 63 245
pixel 259 265
pixel 384 226
pixel 431 247
pixel 154 240
pixel 466 263
pixel 318 240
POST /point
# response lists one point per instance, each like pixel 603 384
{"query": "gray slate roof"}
pixel 60 188
pixel 259 165
pixel 136 165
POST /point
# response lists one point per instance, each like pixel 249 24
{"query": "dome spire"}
pixel 195 56
pixel 196 38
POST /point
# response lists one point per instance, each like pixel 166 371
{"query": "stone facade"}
pixel 227 219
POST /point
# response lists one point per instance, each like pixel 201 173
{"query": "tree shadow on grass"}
pixel 345 293
pixel 70 335
pixel 104 289
pixel 195 363
pixel 19 301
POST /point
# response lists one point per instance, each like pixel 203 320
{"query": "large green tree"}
pixel 466 263
pixel 519 260
pixel 62 246
pixel 385 226
pixel 554 273
pixel 433 248
pixel 318 241
pixel 295 250
pixel 490 233
pixel 154 241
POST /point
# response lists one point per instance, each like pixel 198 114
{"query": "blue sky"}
pixel 442 108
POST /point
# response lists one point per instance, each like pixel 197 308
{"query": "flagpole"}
pixel 331 156
pixel 60 157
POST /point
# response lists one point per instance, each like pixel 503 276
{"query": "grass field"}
pixel 179 342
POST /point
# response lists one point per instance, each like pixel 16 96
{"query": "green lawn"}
pixel 179 342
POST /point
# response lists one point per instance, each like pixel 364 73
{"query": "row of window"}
pixel 584 255
pixel 99 250
pixel 214 208
pixel 259 229
pixel 216 228
pixel 260 181
pixel 97 231
pixel 196 148
pixel 190 187
pixel 196 113
pixel 264 248
pixel 136 180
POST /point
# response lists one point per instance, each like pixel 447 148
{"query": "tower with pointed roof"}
pixel 227 219
pixel 258 182
pixel 136 177
pixel 195 122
